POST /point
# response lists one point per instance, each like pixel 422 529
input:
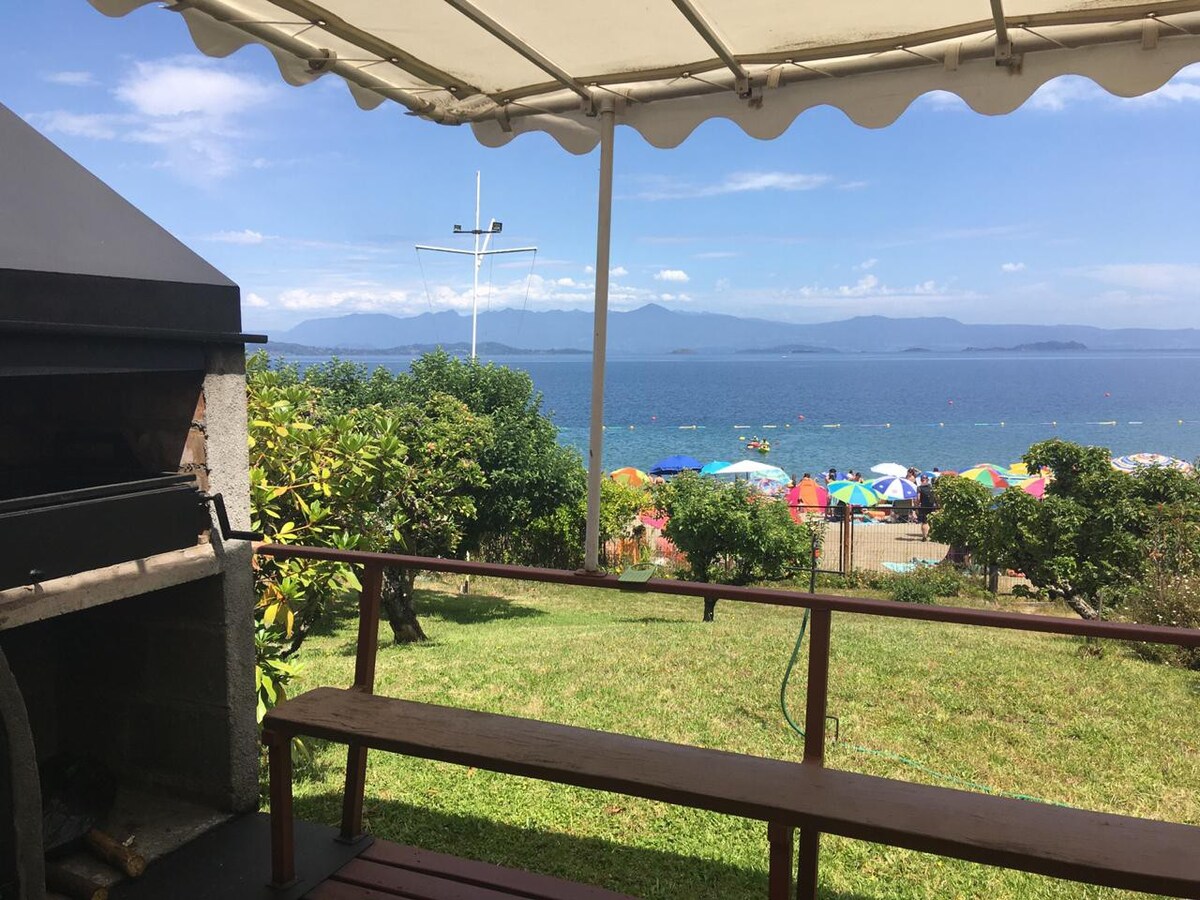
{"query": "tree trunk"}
pixel 1081 606
pixel 398 606
pixel 710 609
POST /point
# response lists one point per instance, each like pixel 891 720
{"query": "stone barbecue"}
pixel 126 617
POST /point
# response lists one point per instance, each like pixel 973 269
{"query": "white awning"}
pixel 575 68
pixel 511 66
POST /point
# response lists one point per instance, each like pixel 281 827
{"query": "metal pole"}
pixel 599 337
pixel 475 271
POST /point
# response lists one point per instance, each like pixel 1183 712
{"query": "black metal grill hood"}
pixel 76 259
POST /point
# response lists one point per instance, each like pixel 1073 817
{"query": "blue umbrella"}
pixel 895 488
pixel 715 465
pixel 673 465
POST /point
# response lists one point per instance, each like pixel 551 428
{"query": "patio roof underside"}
pixel 668 65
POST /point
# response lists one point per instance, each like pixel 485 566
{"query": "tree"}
pixel 421 501
pixel 530 477
pixel 964 518
pixel 529 474
pixel 731 533
pixel 1086 540
pixel 396 479
pixel 1082 539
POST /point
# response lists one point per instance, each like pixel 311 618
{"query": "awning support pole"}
pixel 599 336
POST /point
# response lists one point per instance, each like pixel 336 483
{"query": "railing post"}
pixel 816 706
pixel 364 680
pixel 847 539
pixel 283 851
pixel 780 839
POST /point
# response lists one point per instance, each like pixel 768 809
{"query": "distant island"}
pixel 789 348
pixel 655 330
pixel 916 350
pixel 683 351
pixel 457 348
pixel 1035 347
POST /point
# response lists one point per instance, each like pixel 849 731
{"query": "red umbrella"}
pixel 806 494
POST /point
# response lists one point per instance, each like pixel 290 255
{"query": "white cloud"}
pixel 618 271
pixel 192 111
pixel 256 301
pixel 1012 267
pixel 245 236
pixel 661 188
pixel 853 185
pixel 169 88
pixel 1165 278
pixel 71 79
pixel 96 126
pixel 567 282
pixel 590 270
pixel 716 254
pixel 867 264
pixel 671 275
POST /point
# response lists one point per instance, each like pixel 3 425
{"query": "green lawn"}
pixel 1020 713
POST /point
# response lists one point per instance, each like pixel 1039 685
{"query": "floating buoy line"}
pixel 1109 423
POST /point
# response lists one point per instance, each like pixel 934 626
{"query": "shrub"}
pixel 1169 593
pixel 912 587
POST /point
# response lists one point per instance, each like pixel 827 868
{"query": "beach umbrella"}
pixel 1136 461
pixel 895 489
pixel 988 476
pixel 752 467
pixel 808 493
pixel 1019 468
pixel 673 465
pixel 1035 485
pixel 713 467
pixel 1000 469
pixel 894 470
pixel 630 476
pixel 573 71
pixel 853 493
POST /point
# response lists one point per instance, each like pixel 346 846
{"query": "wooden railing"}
pixel 821 607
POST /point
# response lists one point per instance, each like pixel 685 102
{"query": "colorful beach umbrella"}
pixel 853 493
pixel 895 489
pixel 1019 468
pixel 630 476
pixel 673 465
pixel 893 470
pixel 1136 461
pixel 713 467
pixel 988 476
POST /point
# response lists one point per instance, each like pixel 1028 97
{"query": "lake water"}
pixel 927 410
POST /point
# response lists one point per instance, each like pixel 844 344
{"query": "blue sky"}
pixel 1080 207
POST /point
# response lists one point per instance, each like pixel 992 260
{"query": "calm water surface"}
pixel 928 410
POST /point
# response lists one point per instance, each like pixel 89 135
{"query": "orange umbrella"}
pixel 630 476
pixel 806 494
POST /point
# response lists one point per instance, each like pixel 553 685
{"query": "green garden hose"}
pixel 887 754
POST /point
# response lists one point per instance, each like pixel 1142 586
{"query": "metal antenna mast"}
pixel 478 253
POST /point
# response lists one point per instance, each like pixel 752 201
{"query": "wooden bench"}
pixel 1099 848
pixel 384 871
pixel 1118 851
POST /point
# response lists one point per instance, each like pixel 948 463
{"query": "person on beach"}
pixel 925 505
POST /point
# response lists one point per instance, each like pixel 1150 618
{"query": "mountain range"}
pixel 654 329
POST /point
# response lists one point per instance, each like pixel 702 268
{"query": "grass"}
pixel 1020 713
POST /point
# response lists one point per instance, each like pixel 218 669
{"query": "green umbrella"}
pixel 853 493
